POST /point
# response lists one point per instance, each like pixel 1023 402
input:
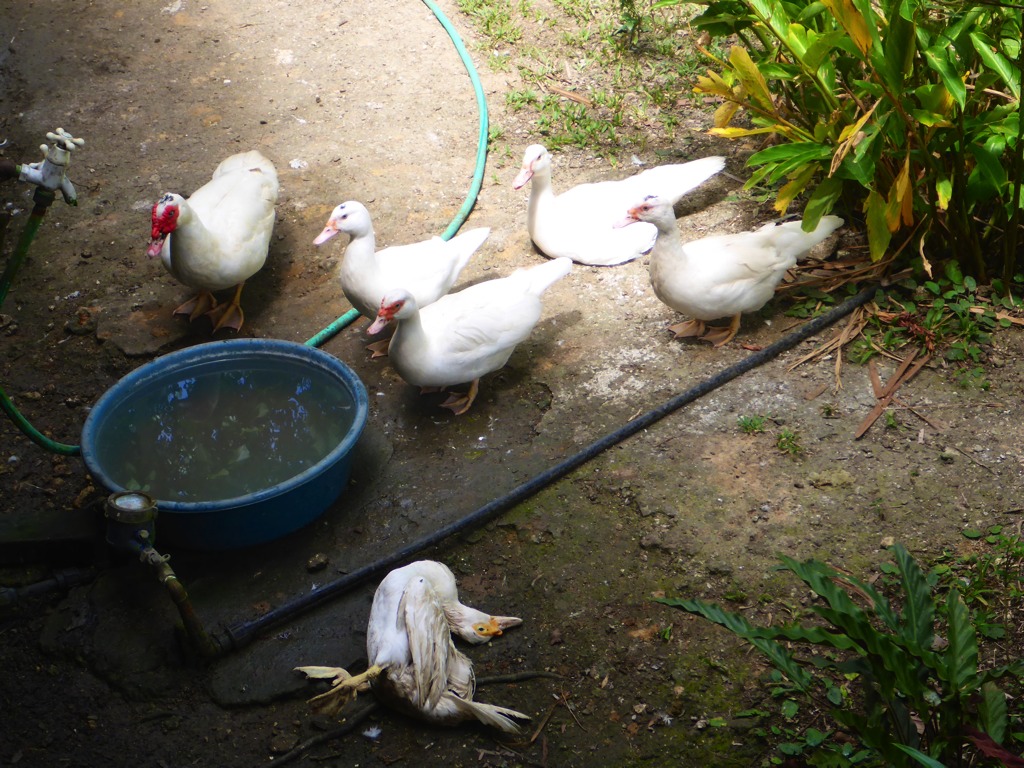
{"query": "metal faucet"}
pixel 50 173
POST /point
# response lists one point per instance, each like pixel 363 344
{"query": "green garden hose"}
pixel 478 174
pixel 42 198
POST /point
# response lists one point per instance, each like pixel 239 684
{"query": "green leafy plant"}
pixel 752 425
pixel 906 680
pixel 907 110
pixel 788 441
pixel 950 314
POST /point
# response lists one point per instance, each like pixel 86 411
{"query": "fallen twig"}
pixel 906 371
pixel 569 95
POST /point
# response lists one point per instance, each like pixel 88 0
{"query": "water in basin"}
pixel 215 433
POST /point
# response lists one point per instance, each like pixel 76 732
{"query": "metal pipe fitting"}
pixel 51 172
pixel 131 527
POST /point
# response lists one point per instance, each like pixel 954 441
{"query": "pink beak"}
pixel 378 325
pixel 525 174
pixel 629 219
pixel 329 231
pixel 155 247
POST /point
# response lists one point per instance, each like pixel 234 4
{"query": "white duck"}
pixel 721 275
pixel 580 222
pixel 464 335
pixel 219 237
pixel 427 269
pixel 471 625
pixel 414 665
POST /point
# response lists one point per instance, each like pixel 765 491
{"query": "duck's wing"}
pixel 428 269
pixel 429 641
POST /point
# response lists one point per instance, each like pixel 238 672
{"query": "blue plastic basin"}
pixel 142 413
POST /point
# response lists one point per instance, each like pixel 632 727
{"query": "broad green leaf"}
pixel 821 48
pixel 930 119
pixel 774 15
pixel 996 61
pixel 822 201
pixel 919 609
pixel 934 98
pixel 796 39
pixel 960 671
pixel 937 61
pixel 800 151
pixel 920 757
pixel 751 78
pixel 739 626
pixel 900 43
pixel 993 712
pixel 878 230
pixel 988 178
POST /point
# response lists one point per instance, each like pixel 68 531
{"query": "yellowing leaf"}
pixel 797 184
pixel 725 113
pixel 901 197
pixel 854 128
pixel 943 193
pixel 737 133
pixel 849 137
pixel 713 84
pixel 853 22
pixel 751 78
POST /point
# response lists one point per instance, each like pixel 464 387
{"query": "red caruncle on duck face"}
pixel 165 221
pixel 165 217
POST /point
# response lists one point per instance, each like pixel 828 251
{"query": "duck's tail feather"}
pixel 502 718
pixel 673 181
pixel 246 161
pixel 543 276
pixel 467 243
pixel 790 239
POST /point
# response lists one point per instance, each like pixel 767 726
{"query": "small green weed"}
pixel 752 425
pixel 517 100
pixel 788 441
pixel 494 18
pixel 973 378
pixel 891 420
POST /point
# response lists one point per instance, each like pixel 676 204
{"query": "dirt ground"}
pixel 370 102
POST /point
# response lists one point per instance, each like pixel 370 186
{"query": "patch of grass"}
pixel 631 64
pixel 495 18
pixel 517 100
pixel 752 425
pixel 788 441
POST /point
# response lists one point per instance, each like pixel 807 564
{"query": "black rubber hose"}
pixel 9 170
pixel 239 635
